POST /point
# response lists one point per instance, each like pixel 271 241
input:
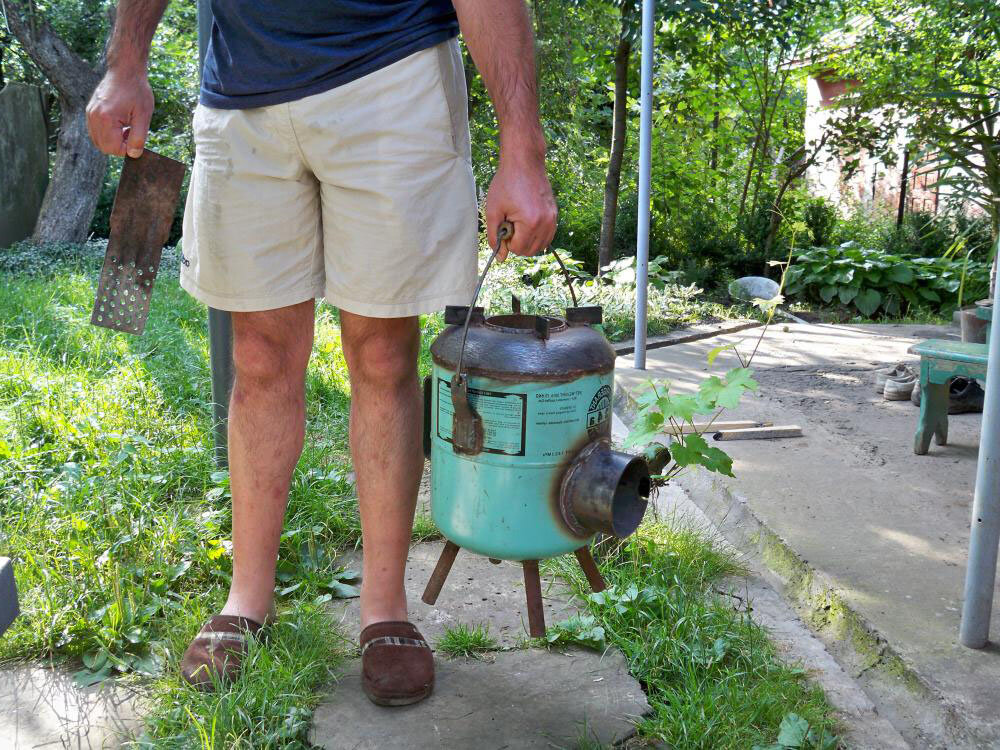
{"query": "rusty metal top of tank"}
pixel 508 348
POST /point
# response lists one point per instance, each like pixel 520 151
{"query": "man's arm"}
pixel 122 104
pixel 498 35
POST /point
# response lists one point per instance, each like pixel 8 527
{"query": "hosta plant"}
pixel 872 281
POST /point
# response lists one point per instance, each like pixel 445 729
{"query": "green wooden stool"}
pixel 940 361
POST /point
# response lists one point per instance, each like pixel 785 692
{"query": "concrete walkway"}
pixel 42 707
pixel 868 539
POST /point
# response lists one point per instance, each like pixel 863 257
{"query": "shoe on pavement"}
pixel 397 666
pixel 897 370
pixel 965 396
pixel 899 388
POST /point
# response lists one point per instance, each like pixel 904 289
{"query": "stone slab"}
pixel 886 529
pixel 8 594
pixel 42 707
pixel 520 699
pixel 476 592
pixel 25 159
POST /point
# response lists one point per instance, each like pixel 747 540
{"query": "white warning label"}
pixel 504 417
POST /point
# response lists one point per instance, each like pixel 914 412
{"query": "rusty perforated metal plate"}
pixel 140 224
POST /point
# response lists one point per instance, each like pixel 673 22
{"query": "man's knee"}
pixel 382 353
pixel 264 353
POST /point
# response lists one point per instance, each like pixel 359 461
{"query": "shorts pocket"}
pixel 449 56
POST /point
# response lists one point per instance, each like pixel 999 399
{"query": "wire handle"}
pixel 504 232
pixel 467 433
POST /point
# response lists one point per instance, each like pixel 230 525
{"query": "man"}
pixel 332 160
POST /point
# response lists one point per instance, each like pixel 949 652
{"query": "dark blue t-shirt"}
pixel 268 51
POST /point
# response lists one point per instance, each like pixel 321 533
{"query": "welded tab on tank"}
pixel 502 416
pixel 591 315
pixel 466 425
pixel 454 315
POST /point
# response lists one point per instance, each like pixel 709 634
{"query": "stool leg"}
pixel 933 416
pixel 590 570
pixel 941 430
pixel 533 590
pixel 441 570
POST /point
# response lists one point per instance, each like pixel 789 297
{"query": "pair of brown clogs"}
pixel 397 667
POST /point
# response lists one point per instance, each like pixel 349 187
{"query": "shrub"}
pixel 820 217
pixel 872 280
pixel 922 234
pixel 866 225
pixel 669 304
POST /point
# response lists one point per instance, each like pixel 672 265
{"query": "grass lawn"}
pixel 119 526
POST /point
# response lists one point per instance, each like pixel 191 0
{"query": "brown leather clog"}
pixel 397 666
pixel 216 654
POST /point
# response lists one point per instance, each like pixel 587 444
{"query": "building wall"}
pixel 874 184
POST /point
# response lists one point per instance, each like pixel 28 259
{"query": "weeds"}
pixel 270 704
pixel 712 677
pixel 468 641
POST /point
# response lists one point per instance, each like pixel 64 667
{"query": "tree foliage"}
pixel 927 72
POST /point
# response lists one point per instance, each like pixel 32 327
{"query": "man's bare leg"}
pixel 266 430
pixel 386 418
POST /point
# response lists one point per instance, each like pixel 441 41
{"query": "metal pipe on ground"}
pixel 980 575
pixel 9 608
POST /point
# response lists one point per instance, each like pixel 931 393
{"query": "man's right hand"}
pixel 119 112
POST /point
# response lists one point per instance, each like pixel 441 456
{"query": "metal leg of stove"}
pixel 441 570
pixel 533 590
pixel 594 577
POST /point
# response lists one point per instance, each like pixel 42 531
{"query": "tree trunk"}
pixel 796 169
pixel 68 206
pixel 903 184
pixel 69 203
pixel 612 183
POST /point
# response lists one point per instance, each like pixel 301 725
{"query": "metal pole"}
pixel 980 575
pixel 220 324
pixel 645 163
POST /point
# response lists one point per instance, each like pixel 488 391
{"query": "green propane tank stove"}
pixel 517 426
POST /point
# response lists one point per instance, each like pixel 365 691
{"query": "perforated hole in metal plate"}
pixel 123 295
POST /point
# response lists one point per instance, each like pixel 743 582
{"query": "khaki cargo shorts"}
pixel 363 194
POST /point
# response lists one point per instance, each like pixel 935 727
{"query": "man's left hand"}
pixel 521 194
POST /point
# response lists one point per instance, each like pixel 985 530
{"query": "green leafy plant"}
pixel 579 630
pixel 545 266
pixel 796 734
pixel 665 423
pixel 469 641
pixel 668 307
pixel 872 280
pixel 623 272
pixel 664 415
